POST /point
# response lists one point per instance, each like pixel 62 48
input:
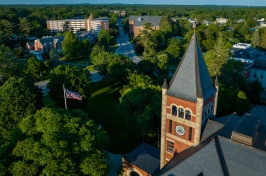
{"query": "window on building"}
pixel 181 112
pixel 190 134
pixel 188 115
pixel 174 110
pixel 170 146
pixel 170 126
pixel 261 76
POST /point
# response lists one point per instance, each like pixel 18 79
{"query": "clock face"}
pixel 180 130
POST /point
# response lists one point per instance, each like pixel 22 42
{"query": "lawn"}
pixel 102 108
pixel 48 102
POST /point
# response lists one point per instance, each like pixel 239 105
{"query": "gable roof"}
pixel 191 79
pixel 140 20
pixel 217 156
pixel 145 157
pixel 243 160
pixel 203 158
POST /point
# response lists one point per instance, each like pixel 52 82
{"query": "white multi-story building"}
pixel 75 25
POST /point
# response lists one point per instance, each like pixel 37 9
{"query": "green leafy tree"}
pixel 256 38
pixel 61 142
pixel 113 67
pixel 173 48
pixel 66 26
pixel 140 106
pixel 70 46
pixel 84 49
pixel 146 40
pixel 217 57
pixel 54 54
pixel 24 27
pixel 18 98
pixel 166 26
pixel 8 64
pixel 135 79
pixel 105 39
pixel 6 30
pixel 34 69
pixel 262 38
pixel 74 79
pixel 96 50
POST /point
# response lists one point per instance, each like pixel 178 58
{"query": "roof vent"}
pixel 139 19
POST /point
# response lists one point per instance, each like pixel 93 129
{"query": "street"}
pixel 125 47
pixel 43 84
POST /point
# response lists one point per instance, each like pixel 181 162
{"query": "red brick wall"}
pixel 180 102
pixel 127 167
pixel 174 124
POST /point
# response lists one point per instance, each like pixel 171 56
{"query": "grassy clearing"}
pixel 102 108
pixel 48 102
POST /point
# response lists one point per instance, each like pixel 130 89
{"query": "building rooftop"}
pixel 140 20
pixel 145 157
pixel 248 125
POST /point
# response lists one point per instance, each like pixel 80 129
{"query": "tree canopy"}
pixel 141 108
pixel 74 79
pixel 8 64
pixel 60 142
pixel 34 69
pixel 18 98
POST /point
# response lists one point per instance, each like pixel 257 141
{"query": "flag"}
pixel 72 95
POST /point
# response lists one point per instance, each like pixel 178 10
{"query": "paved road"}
pixel 124 46
pixel 43 84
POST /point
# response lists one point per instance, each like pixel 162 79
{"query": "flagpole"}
pixel 65 96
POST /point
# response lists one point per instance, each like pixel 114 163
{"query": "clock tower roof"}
pixel 192 79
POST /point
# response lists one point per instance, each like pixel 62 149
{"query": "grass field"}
pixel 102 108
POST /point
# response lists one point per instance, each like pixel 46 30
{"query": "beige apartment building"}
pixel 96 24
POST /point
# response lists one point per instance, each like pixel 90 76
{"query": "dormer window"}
pixel 174 110
pixel 181 112
pixel 188 114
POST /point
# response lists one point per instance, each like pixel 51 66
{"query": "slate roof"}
pixel 252 124
pixel 217 156
pixel 145 157
pixel 248 125
pixel 203 158
pixel 191 79
pixel 243 160
pixel 140 20
pixel 210 128
pixel 249 53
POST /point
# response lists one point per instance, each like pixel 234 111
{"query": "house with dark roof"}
pixel 136 23
pixel 244 52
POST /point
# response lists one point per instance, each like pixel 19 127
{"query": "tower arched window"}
pixel 174 110
pixel 187 114
pixel 181 112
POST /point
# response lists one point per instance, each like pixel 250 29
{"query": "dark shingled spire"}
pixel 165 85
pixel 191 79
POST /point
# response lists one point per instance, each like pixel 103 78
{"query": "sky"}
pixel 176 2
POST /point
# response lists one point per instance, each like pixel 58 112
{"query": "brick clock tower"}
pixel 188 101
